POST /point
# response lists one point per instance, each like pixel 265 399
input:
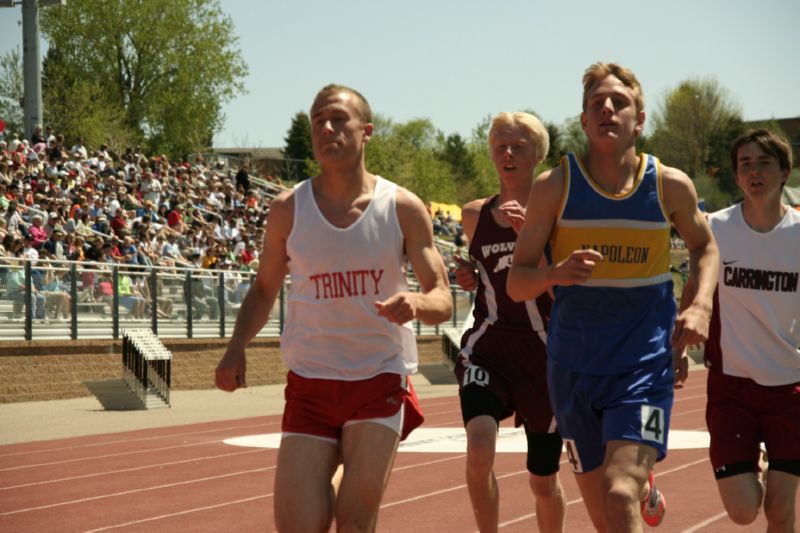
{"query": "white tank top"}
pixel 759 301
pixel 333 330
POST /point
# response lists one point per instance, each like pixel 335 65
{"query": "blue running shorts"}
pixel 592 410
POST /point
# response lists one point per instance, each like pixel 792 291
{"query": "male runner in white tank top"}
pixel 343 237
pixel 752 349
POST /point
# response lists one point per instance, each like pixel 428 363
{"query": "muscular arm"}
pixel 529 276
pixel 433 304
pixel 258 302
pixel 680 198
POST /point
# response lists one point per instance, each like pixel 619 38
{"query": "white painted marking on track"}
pixel 704 523
pixel 454 440
pixel 180 513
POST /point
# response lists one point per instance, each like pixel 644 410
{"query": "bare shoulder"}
pixel 281 212
pixel 552 176
pixel 678 189
pixel 409 204
pixel 470 213
pixel 473 208
pixel 675 177
pixel 547 189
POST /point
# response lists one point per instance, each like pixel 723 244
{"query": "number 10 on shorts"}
pixel 653 424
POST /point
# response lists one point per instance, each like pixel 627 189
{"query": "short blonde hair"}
pixel 599 71
pixel 533 127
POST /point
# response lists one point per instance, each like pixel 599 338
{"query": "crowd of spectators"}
pixel 90 204
pixel 80 204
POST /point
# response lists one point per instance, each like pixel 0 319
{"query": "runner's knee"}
pixel 544 453
pixel 480 451
pixel 742 514
pixel 545 487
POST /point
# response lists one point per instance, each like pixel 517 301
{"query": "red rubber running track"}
pixel 185 478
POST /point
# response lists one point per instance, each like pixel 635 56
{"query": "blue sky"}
pixel 458 61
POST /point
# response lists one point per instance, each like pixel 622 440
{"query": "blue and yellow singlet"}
pixel 623 315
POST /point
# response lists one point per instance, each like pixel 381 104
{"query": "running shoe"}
pixel 654 506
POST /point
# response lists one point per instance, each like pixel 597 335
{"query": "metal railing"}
pixel 82 300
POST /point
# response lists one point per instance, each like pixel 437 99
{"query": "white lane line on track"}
pixel 179 513
pixel 443 491
pixel 529 516
pixel 134 469
pixel 701 410
pixel 136 491
pixel 704 523
pixel 106 456
pixel 687 398
pixel 416 465
pixel 659 473
pixel 128 441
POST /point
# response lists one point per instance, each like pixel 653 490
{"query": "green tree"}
pixel 574 138
pixel 694 126
pixel 166 68
pixel 298 148
pixel 553 158
pixel 406 153
pixel 453 151
pixel 79 107
pixel 485 182
pixel 11 92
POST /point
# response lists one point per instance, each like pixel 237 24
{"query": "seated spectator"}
pixel 54 247
pixel 29 251
pixel 129 296
pixel 57 299
pixel 249 253
pixel 104 290
pixel 37 231
pixel 119 222
pixel 129 254
pixel 201 294
pixel 76 250
pixel 163 305
pixel 15 290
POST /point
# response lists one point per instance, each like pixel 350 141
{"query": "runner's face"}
pixel 337 131
pixel 610 115
pixel 513 153
pixel 758 174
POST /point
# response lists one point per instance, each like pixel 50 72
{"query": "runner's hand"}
pixel 466 276
pixel 691 327
pixel 399 308
pixel 231 370
pixel 577 268
pixel 514 213
pixel 680 362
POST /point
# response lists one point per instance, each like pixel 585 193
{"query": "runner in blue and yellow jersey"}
pixel 606 217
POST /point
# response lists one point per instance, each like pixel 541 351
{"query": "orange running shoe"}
pixel 654 506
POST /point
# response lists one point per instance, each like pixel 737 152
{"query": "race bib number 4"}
pixel 653 424
pixel 572 456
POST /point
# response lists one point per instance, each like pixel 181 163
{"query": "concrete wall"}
pixel 51 370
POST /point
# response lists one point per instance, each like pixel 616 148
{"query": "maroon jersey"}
pixel 491 250
pixel 505 348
